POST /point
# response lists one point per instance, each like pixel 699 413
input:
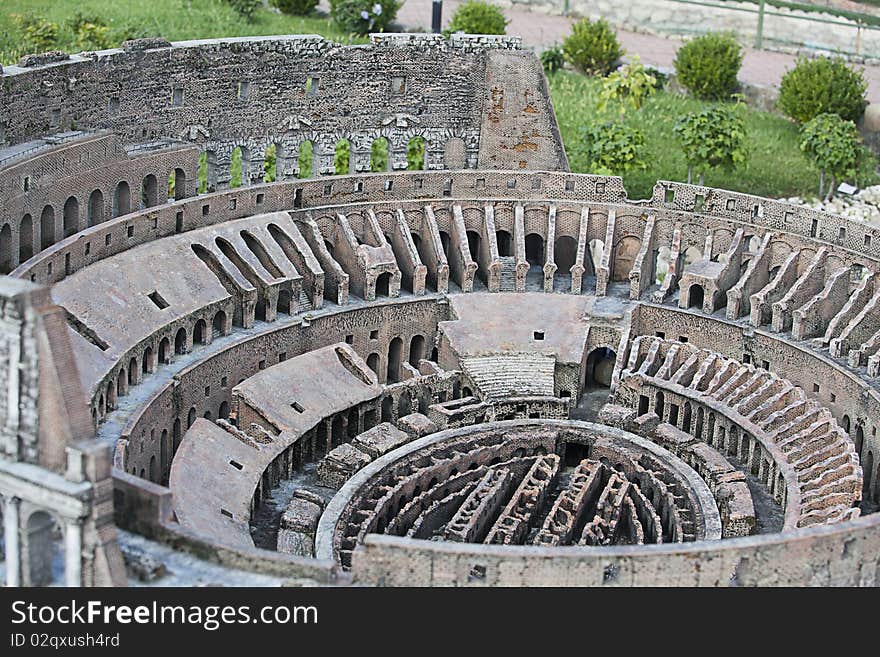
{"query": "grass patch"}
pixel 775 166
pixel 176 20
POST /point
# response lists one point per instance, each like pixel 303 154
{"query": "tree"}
pixel 711 138
pixel 834 146
pixel 629 86
pixel 610 148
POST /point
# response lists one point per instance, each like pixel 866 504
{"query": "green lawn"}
pixel 175 20
pixel 775 167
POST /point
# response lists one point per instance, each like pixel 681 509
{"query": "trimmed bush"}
pixel 611 148
pixel 363 16
pixel 708 65
pixel 834 146
pixel 477 17
pixel 296 7
pixel 592 47
pixel 711 138
pixel 822 85
pixel 552 59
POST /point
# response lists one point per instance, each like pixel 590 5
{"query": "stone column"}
pixel 73 553
pixel 12 541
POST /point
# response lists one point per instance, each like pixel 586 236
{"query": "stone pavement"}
pixel 540 30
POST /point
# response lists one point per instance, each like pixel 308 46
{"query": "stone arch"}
pixel 600 367
pixel 149 191
pixel 594 257
pixel 223 411
pixel 387 408
pixel 177 189
pixel 416 158
pixel 342 157
pixel 200 332
pixel 164 351
pixel 379 159
pixel 625 254
pixel 373 362
pixel 383 284
pixel 535 249
pixel 395 355
pixel 867 473
pixel 70 216
pixel 180 341
pixel 416 350
pixel 43 549
pixel 565 253
pixel 147 364
pixel 133 371
pixel 272 163
pixel 237 167
pixel 505 243
pixel 5 249
pixel 95 209
pixel 121 383
pixel 473 240
pixel 25 238
pixel 121 199
pixel 190 417
pixel 218 324
pixel 305 159
pixel 47 227
pixel 696 296
pixel 455 153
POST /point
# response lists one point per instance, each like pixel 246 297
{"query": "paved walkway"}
pixel 539 30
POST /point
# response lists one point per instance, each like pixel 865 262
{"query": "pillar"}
pixel 12 540
pixel 73 553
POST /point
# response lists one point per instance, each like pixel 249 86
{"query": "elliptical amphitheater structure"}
pixel 489 371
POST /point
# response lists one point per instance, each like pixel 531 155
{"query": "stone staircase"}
pixel 507 375
pixel 507 282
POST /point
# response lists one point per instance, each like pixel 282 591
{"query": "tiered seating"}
pixel 508 375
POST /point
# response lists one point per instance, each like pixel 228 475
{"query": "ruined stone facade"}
pixel 488 371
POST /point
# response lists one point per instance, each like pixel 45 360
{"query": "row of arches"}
pixel 77 215
pixel 395 359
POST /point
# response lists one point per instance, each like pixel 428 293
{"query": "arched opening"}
pixel 177 184
pixel 175 431
pixel 70 216
pixel 395 351
pixel 270 163
pixel 600 367
pixel 205 172
pixel 695 297
pixel 473 239
pixel 846 423
pixel 379 155
pixel 200 332
pixel 373 362
pixel 95 211
pixel 153 468
pixel 218 324
pixel 505 243
pixel 658 404
pixel 387 409
pixel 341 157
pixel 859 440
pixel 624 257
pixel 180 342
pixel 132 372
pixel 404 404
pixel 383 282
pixel 26 238
pixel 565 253
pixel 416 350
pixel 47 227
pixel 236 162
pixel 337 435
pixel 164 349
pixel 121 199
pixel 121 384
pixel 597 248
pixel 444 242
pixel 5 249
pixel 455 153
pixel 284 299
pixel 190 417
pixel 435 355
pixel 44 551
pixel 305 159
pixel 415 154
pixel 353 422
pixel 867 471
pixel 535 250
pixel 149 191
pixel 147 364
pixel 223 411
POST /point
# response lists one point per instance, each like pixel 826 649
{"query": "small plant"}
pixel 708 65
pixel 415 154
pixel 552 59
pixel 477 17
pixel 91 32
pixel 835 147
pixel 592 47
pixel 611 148
pixel 296 7
pixel 247 9
pixel 628 86
pixel 711 138
pixel 364 16
pixel 38 34
pixel 822 85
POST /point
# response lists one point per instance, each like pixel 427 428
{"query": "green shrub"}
pixel 477 17
pixel 611 148
pixel 711 138
pixel 92 33
pixel 627 87
pixel 708 65
pixel 592 47
pixel 364 16
pixel 296 7
pixel 38 34
pixel 246 8
pixel 822 85
pixel 552 59
pixel 834 146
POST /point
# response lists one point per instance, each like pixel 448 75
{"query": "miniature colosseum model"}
pixel 487 371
